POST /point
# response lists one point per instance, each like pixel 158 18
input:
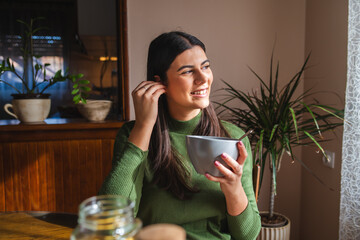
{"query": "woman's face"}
pixel 189 80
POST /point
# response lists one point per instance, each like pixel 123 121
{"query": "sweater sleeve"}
pixel 128 168
pixel 246 225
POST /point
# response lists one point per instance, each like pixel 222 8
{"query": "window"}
pixel 76 38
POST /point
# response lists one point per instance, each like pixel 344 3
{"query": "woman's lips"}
pixel 200 92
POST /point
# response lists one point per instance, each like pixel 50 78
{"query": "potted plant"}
pixel 280 121
pixel 30 102
pixel 92 110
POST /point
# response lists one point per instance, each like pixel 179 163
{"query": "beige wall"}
pixel 326 38
pixel 237 34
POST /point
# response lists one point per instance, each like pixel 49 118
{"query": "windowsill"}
pixel 58 129
pixel 56 123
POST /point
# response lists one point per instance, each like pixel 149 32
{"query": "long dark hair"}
pixel 169 171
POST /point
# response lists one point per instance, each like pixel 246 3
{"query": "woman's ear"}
pixel 157 78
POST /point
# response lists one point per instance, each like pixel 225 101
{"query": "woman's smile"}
pixel 200 93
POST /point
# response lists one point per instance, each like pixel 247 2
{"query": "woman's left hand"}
pixel 230 183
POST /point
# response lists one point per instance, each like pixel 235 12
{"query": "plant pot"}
pixel 95 110
pixel 275 232
pixel 29 108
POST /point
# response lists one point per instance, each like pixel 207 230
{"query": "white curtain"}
pixel 350 171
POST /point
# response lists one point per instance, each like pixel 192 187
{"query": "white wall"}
pixel 237 34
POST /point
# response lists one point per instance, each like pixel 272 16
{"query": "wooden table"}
pixel 59 226
pixel 36 225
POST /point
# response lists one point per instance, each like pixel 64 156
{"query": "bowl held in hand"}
pixel 203 151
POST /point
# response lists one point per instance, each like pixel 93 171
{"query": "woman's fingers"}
pixel 158 92
pixel 139 87
pixel 236 166
pixel 233 164
pixel 145 86
pixel 151 89
pixel 242 153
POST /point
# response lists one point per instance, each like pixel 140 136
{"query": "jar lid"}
pixel 163 231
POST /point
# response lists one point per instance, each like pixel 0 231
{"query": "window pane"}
pixel 65 44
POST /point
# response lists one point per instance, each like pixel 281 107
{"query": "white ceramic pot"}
pixel 29 110
pixel 275 233
pixel 95 110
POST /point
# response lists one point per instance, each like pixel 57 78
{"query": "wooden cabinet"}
pixel 53 166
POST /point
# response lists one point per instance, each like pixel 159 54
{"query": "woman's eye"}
pixel 187 72
pixel 206 67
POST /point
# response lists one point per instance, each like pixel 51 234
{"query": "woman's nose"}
pixel 200 78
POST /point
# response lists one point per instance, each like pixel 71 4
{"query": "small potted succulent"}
pixel 31 103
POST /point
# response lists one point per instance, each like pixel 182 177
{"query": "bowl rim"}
pixel 211 138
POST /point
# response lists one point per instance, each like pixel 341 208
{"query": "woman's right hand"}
pixel 145 97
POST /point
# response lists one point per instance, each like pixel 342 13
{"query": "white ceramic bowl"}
pixel 204 150
pixel 95 110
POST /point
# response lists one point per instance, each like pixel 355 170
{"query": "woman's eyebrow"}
pixel 185 66
pixel 206 61
pixel 191 66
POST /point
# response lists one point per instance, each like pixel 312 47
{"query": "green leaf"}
pixel 38 67
pixel 273 131
pixel 76 98
pixel 83 100
pixel 75 91
pixel 324 109
pixel 313 117
pixel 288 147
pixel 317 144
pixel 24 23
pixel 8 62
pixel 295 123
pixel 58 74
pixel 85 89
pixel 80 75
pixel 84 82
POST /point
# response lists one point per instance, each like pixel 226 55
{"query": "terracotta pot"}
pixel 95 110
pixel 275 233
pixel 29 108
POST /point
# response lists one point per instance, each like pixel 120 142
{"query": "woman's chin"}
pixel 203 105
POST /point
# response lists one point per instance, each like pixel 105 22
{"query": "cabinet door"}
pixel 52 175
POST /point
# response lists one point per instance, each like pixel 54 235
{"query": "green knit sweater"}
pixel 204 215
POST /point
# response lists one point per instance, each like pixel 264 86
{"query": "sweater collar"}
pixel 184 127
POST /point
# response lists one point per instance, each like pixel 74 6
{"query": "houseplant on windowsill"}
pixel 30 103
pixel 92 110
pixel 280 121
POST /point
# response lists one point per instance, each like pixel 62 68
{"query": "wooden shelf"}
pixel 57 129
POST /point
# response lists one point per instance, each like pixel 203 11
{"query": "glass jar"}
pixel 106 217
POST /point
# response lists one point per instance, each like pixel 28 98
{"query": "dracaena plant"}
pixel 279 120
pixel 34 78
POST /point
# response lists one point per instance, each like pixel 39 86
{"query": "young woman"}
pixel 151 165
